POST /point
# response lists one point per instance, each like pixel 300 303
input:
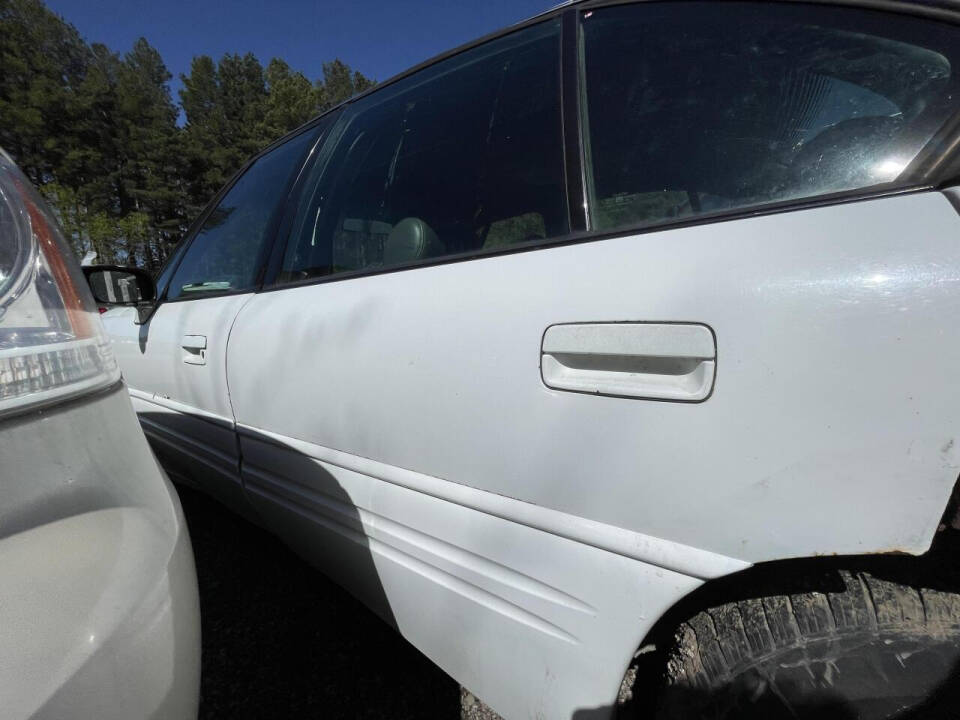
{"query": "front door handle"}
pixel 194 349
pixel 654 361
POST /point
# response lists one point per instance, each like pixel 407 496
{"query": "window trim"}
pixel 281 235
pixel 183 247
pixel 568 90
pixel 941 10
pixel 571 124
pixel 937 164
pixel 578 238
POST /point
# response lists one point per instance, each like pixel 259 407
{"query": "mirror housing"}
pixel 119 285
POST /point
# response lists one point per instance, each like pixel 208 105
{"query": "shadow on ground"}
pixel 282 641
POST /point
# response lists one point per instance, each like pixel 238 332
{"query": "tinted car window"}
pixel 227 251
pixel 698 107
pixel 464 155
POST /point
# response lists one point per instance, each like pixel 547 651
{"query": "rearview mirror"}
pixel 118 285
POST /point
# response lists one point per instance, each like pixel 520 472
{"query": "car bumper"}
pixel 98 593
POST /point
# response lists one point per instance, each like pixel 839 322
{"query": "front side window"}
pixel 697 107
pixel 227 252
pixel 462 156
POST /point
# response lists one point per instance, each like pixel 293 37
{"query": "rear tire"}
pixel 873 649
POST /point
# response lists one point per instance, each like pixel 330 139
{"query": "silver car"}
pixel 99 613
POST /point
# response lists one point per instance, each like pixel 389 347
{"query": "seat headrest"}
pixel 411 239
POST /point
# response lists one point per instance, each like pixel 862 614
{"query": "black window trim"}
pixel 942 10
pixel 937 165
pixel 176 257
pixel 577 238
pixel 571 121
pixel 572 160
pixel 281 230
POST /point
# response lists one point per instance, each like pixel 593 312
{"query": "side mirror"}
pixel 118 285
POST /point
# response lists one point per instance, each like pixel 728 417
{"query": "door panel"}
pixel 175 363
pixel 534 623
pixel 521 459
pixel 415 399
pixel 155 362
pixel 818 317
pixel 183 403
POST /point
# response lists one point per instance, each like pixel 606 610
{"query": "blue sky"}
pixel 378 37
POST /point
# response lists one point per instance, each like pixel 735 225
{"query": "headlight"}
pixel 52 344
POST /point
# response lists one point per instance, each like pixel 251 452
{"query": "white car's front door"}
pixel 175 367
pixel 175 362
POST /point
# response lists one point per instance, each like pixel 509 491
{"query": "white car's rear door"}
pixel 521 430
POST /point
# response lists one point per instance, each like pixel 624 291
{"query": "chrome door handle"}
pixel 195 349
pixel 655 361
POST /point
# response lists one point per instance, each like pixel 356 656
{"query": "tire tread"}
pixel 717 644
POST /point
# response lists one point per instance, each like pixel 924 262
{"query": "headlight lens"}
pixel 52 344
pixel 14 245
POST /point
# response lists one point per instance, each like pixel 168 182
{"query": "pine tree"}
pixel 97 132
pixel 150 183
pixel 225 106
pixel 339 83
pixel 291 100
pixel 42 60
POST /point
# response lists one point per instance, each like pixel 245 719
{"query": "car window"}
pixel 227 251
pixel 463 155
pixel 699 107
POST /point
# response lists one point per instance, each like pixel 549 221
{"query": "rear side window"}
pixel 698 107
pixel 464 155
pixel 228 250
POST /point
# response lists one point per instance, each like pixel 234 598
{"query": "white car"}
pixel 99 615
pixel 531 342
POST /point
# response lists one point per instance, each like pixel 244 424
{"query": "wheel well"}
pixel 937 569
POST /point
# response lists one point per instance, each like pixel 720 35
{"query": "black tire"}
pixel 872 649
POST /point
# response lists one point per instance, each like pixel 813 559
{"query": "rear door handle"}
pixel 195 349
pixel 655 361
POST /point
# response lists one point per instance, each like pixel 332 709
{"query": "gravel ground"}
pixel 282 641
pixel 472 709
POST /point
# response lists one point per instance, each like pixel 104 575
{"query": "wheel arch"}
pixel 794 576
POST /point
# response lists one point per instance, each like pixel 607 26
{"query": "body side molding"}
pixel 666 554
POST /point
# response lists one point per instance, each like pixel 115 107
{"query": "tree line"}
pixel 97 131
